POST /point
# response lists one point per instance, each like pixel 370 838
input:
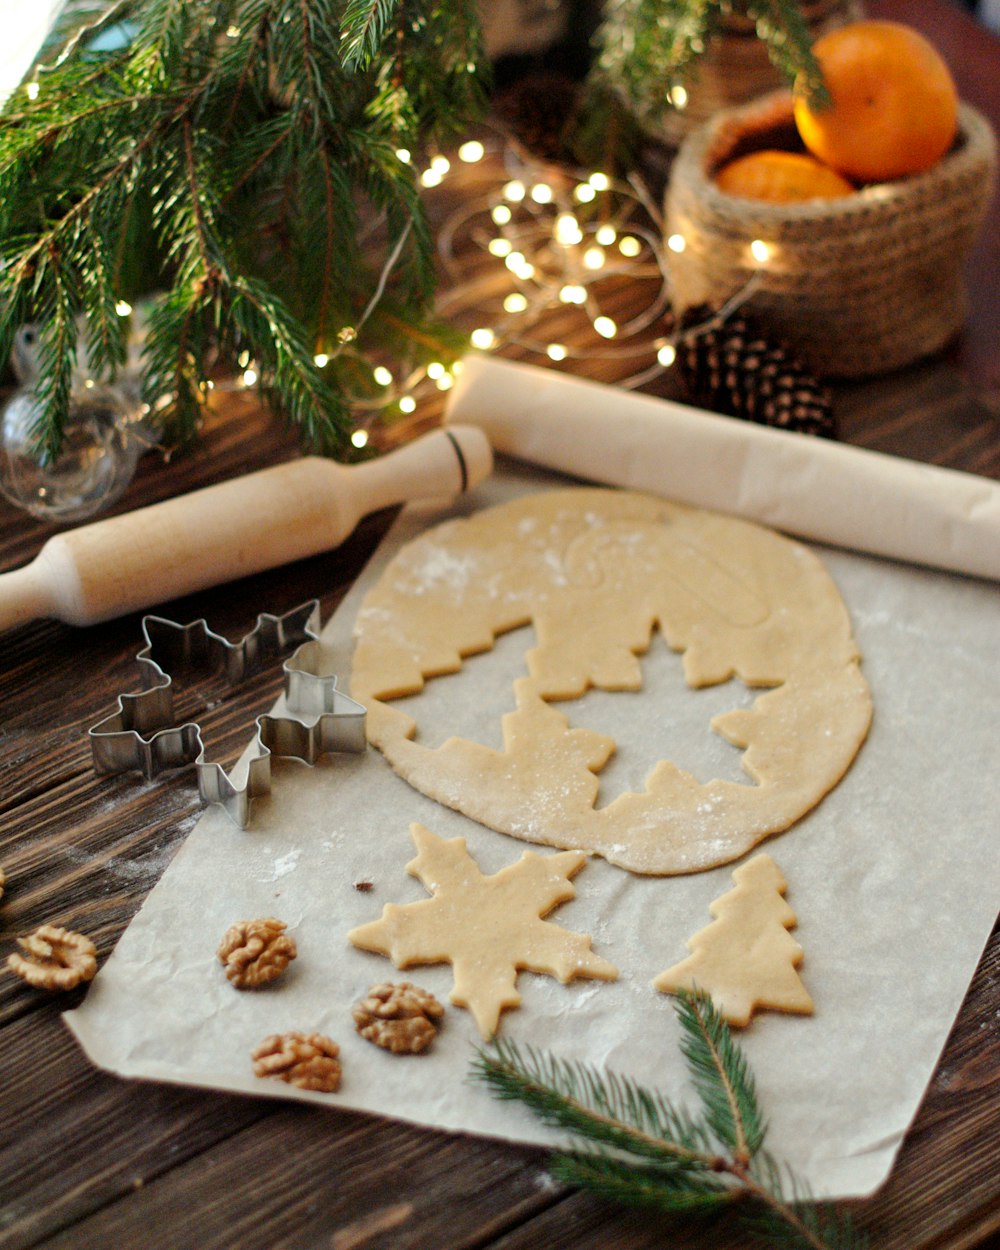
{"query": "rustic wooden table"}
pixel 90 1161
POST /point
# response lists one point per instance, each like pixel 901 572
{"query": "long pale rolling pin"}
pixel 242 526
pixel 828 492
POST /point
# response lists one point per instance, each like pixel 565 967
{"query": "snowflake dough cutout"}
pixel 488 928
pixel 596 571
pixel 746 959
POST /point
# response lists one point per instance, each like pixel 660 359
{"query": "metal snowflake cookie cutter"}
pixel 142 734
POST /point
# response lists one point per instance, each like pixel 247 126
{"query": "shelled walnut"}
pixel 306 1060
pixel 399 1018
pixel 256 952
pixel 54 959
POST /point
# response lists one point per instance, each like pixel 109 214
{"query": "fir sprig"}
pixel 642 1150
pixel 648 47
pixel 224 154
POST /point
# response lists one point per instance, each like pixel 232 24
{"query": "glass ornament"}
pixel 103 441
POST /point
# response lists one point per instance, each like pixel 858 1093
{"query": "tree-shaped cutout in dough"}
pixel 596 573
pixel 746 959
pixel 489 928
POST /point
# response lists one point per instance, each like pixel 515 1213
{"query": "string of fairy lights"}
pixel 525 240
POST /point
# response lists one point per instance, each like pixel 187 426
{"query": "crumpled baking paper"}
pixel 893 877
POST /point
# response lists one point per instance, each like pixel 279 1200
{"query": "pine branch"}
pixel 363 28
pixel 785 33
pixel 666 39
pixel 644 1151
pixel 224 157
pixel 721 1077
pixel 642 1185
pixel 606 1109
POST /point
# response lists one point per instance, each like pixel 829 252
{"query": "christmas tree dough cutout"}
pixel 746 959
pixel 489 928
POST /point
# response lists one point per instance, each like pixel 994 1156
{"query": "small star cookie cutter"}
pixel 142 734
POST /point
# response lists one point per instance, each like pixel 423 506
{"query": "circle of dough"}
pixel 596 571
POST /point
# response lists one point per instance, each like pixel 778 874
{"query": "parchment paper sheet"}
pixel 894 879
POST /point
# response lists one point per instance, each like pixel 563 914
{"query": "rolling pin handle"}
pixel 25 597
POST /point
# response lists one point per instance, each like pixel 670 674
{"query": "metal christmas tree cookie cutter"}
pixel 142 734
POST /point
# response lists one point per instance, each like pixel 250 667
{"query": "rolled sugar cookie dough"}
pixel 596 571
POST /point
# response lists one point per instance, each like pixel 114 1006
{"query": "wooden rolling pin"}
pixel 124 563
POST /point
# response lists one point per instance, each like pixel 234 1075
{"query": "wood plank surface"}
pixel 88 1161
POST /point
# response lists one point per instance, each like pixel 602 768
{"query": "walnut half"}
pixel 306 1060
pixel 54 959
pixel 256 952
pixel 399 1018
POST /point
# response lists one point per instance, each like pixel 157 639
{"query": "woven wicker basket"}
pixel 857 286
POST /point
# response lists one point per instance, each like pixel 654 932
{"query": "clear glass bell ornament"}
pixel 95 464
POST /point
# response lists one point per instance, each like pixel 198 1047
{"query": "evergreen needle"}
pixel 220 158
pixel 643 1150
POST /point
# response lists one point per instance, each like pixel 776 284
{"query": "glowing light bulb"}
pixel 431 178
pixel 629 246
pixel 605 327
pixel 233 32
pixel 541 193
pixel 599 181
pixel 515 302
pixel 500 247
pixel 567 230
pixel 605 235
pixel 593 258
pixel 382 375
pixel 435 370
pixel 585 193
pixel 555 351
pixel 321 360
pixel 249 377
pixel 514 191
pixel 441 165
pixel 243 359
pixel 359 438
pixel 445 382
pixel 677 243
pixel 667 355
pixel 31 90
pixel 483 338
pixel 404 155
pixel 678 96
pixel 515 260
pixel 501 214
pixel 123 308
pixel 760 251
pixel 407 403
pixel 573 294
pixel 471 152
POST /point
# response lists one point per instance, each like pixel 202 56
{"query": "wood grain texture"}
pixel 88 1161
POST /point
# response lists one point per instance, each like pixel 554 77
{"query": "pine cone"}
pixel 729 365
pixel 538 111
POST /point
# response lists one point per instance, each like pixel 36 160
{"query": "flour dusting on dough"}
pixel 596 572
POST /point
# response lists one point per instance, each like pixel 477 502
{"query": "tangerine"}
pixel 894 104
pixel 781 178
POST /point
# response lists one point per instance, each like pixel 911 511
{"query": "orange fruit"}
pixel 781 177
pixel 894 104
